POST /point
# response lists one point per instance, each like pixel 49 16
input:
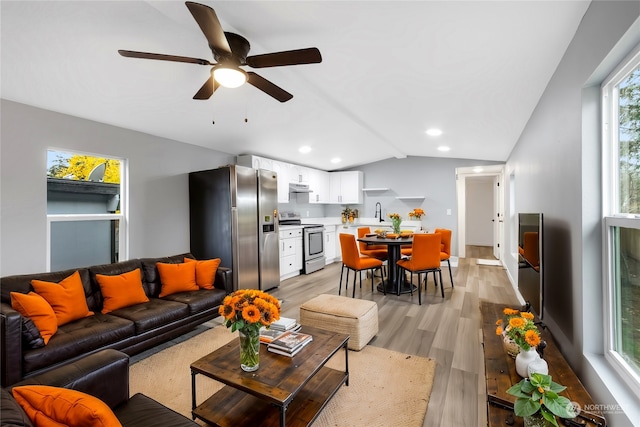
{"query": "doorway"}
pixel 469 210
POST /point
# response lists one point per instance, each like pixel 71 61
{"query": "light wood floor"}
pixel 447 330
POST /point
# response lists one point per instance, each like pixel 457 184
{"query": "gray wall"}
pixel 158 183
pixel 556 164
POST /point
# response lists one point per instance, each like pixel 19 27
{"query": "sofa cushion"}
pixel 31 337
pixel 151 277
pixel 22 284
pixel 12 413
pixel 54 406
pixel 205 271
pixel 121 290
pixel 200 300
pixel 66 297
pixel 112 270
pixel 141 410
pixel 37 309
pixel 152 314
pixel 177 278
pixel 77 338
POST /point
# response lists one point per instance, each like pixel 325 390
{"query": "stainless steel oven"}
pixel 313 246
pixel 313 239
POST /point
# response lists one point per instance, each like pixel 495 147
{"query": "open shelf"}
pixel 376 189
pixel 410 197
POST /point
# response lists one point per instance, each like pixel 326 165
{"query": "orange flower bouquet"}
pixel 416 214
pixel 519 326
pixel 246 311
pixel 396 219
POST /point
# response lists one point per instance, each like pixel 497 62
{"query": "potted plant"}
pixel 538 401
pixel 396 219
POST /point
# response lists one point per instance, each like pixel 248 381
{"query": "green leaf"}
pixel 557 387
pixel 527 387
pixel 549 416
pixel 525 407
pixel 561 407
pixel 515 390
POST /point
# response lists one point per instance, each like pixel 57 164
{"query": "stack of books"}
pixel 285 324
pixel 278 328
pixel 289 343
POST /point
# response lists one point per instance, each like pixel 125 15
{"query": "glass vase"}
pixel 536 420
pixel 249 349
pixel 395 223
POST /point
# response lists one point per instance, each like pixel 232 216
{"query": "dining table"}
pixel 395 283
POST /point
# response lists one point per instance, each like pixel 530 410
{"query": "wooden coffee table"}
pixel 283 391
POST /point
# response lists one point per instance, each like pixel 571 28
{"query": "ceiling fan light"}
pixel 230 77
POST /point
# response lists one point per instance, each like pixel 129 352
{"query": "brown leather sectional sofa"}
pixel 131 329
pixel 105 375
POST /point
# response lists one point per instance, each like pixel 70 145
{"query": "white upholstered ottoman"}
pixel 356 317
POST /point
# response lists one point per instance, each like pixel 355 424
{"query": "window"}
pixel 86 224
pixel 621 196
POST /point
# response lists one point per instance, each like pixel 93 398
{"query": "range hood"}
pixel 295 187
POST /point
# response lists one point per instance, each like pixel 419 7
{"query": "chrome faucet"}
pixel 379 211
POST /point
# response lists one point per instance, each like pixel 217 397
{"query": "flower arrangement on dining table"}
pixel 519 326
pixel 416 214
pixel 396 219
pixel 246 311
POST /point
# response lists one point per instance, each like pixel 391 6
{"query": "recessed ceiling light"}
pixel 443 148
pixel 336 160
pixel 304 149
pixel 434 132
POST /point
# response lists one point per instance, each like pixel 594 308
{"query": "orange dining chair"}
pixel 445 249
pixel 425 259
pixel 374 251
pixel 352 260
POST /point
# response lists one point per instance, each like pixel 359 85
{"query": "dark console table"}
pixel 500 374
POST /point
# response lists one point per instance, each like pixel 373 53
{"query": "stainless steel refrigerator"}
pixel 233 216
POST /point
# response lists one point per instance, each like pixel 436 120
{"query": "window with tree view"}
pixel 621 95
pixel 86 224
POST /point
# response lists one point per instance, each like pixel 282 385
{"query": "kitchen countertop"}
pixel 359 222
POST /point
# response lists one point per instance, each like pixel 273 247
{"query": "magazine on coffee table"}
pixel 290 341
pixel 268 335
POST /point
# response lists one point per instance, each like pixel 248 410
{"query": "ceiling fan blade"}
pixel 162 57
pixel 207 89
pixel 210 26
pixel 290 57
pixel 267 87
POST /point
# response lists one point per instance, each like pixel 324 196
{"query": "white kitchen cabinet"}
pixel 282 169
pixel 255 162
pixel 290 253
pixel 330 243
pixel 319 186
pixel 298 174
pixel 346 187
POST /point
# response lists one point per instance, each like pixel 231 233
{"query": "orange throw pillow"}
pixel 66 298
pixel 37 309
pixel 205 272
pixel 54 406
pixel 177 278
pixel 121 291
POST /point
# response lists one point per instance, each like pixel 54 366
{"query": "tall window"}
pixel 85 210
pixel 621 195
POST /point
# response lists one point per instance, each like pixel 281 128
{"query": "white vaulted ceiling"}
pixel 390 71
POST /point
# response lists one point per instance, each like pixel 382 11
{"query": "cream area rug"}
pixel 386 388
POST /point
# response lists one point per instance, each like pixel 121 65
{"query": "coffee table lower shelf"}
pixel 231 407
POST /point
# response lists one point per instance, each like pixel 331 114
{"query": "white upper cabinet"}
pixel 346 187
pixel 299 174
pixel 319 186
pixel 282 169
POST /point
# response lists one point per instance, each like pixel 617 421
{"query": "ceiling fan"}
pixel 230 52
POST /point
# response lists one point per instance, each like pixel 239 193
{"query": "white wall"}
pixel 158 182
pixel 556 164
